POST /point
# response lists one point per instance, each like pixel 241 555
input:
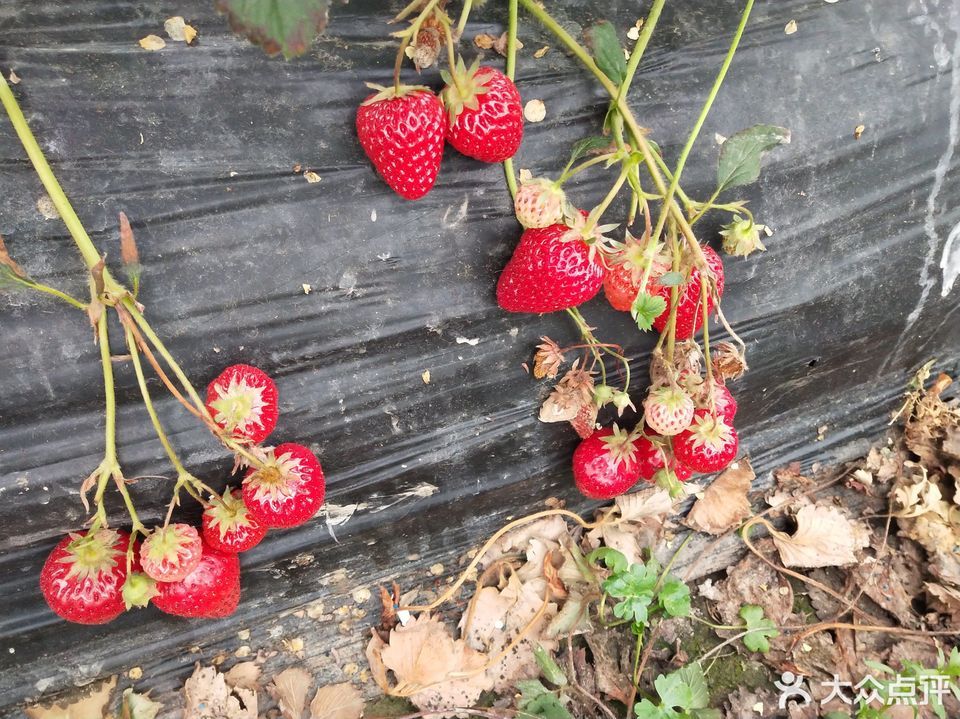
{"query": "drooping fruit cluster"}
pixel 403 128
pixel 91 577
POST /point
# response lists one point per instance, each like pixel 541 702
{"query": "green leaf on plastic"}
pixel 548 666
pixel 611 558
pixel 685 688
pixel 646 308
pixel 761 628
pixel 607 51
pixel 740 154
pixel 278 26
pixel 674 597
pixel 670 279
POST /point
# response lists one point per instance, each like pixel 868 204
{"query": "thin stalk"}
pixel 570 172
pixel 411 34
pixel 706 341
pixel 135 523
pixel 674 296
pixel 588 337
pixel 640 47
pixel 673 560
pixel 464 16
pixel 73 301
pixel 511 68
pixel 635 679
pixel 598 211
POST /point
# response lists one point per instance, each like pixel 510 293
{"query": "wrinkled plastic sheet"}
pixel 197 144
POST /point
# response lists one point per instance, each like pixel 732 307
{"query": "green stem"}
pixel 135 523
pixel 511 72
pixel 569 172
pixel 705 110
pixel 73 301
pixel 707 206
pixel 635 679
pixel 598 211
pixel 718 627
pixel 411 34
pixel 589 339
pixel 110 403
pixel 148 403
pixel 704 307
pixel 464 15
pixel 674 296
pixel 672 561
pixel 640 47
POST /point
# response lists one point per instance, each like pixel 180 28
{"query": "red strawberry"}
pixel 243 401
pixel 486 118
pixel 170 553
pixel 208 591
pixel 551 269
pixel 605 464
pixel 708 445
pixel 629 259
pixel 619 288
pixel 82 579
pixel 402 130
pixel 668 410
pixel 653 451
pixel 228 526
pixel 689 312
pixel 723 401
pixel 288 490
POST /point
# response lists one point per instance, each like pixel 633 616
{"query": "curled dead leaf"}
pixel 724 504
pixel 92 705
pixel 290 688
pixel 337 701
pixel 824 538
pixel 206 694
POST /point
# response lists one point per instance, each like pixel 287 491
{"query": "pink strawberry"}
pixel 401 130
pixel 243 401
pixel 689 312
pixel 539 203
pixel 605 464
pixel 228 526
pixel 551 269
pixel 723 401
pixel 486 118
pixel 629 260
pixel 708 445
pixel 288 490
pixel 82 579
pixel 211 590
pixel 170 553
pixel 668 410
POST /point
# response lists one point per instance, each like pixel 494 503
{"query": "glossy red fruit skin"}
pixel 206 591
pixel 650 451
pixel 93 600
pixel 701 459
pixel 547 274
pixel 404 137
pixel 255 431
pixel 724 402
pixel 619 288
pixel 227 606
pixel 303 495
pixel 238 538
pixel 595 475
pixel 493 131
pixel 689 319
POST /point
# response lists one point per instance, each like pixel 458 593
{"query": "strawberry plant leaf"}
pixel 646 308
pixel 611 558
pixel 585 147
pixel 670 279
pixel 685 688
pixel 740 154
pixel 278 26
pixel 674 597
pixel 538 701
pixel 548 666
pixel 646 709
pixel 607 51
pixel 761 628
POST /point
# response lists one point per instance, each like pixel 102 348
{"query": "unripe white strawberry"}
pixel 539 203
pixel 668 410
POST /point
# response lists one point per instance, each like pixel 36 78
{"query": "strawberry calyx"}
pixel 238 404
pixel 91 554
pixel 463 87
pixel 230 512
pixel 138 590
pixel 392 92
pixel 621 447
pixel 710 432
pixel 667 479
pixel 274 479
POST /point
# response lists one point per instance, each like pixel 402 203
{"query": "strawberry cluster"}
pixel 92 576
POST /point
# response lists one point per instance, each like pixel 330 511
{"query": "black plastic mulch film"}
pixel 197 144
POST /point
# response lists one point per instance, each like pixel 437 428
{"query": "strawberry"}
pixel 689 313
pixel 605 464
pixel 723 401
pixel 552 269
pixel 211 590
pixel 170 553
pixel 243 401
pixel 82 579
pixel 287 490
pixel 668 410
pixel 228 526
pixel 485 115
pixel 629 259
pixel 654 454
pixel 401 130
pixel 539 203
pixel 708 445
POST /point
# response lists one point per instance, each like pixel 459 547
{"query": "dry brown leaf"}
pixel 947 600
pixel 178 30
pixel 91 706
pixel 824 538
pixel 610 664
pixel 636 506
pixel 337 701
pixel 881 581
pixel 424 657
pixel 484 41
pixel 153 43
pixel 724 504
pixel 753 581
pixel 206 695
pixel 128 245
pixel 6 259
pixel 640 525
pixel 245 675
pixel 290 688
pixel 311 177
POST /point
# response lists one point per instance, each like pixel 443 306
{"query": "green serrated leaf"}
pixel 674 597
pixel 531 689
pixel 740 154
pixel 611 558
pixel 607 51
pixel 278 26
pixel 646 308
pixel 670 279
pixel 586 146
pixel 549 667
pixel 761 629
pixel 706 714
pixel 685 688
pixel 536 700
pixel 646 709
